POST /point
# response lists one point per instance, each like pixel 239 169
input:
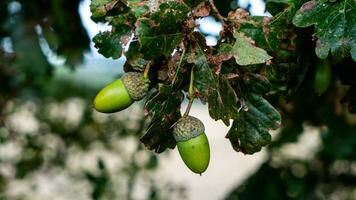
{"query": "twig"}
pixel 147 69
pixel 179 64
pixel 191 93
pixel 217 13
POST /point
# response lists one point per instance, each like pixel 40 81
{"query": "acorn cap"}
pixel 187 128
pixel 136 85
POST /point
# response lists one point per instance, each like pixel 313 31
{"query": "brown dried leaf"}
pixel 240 15
pixel 172 65
pixel 202 11
pixel 125 39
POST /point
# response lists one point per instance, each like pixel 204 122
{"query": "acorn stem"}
pixel 147 69
pixel 187 110
pixel 191 93
pixel 179 64
pixel 191 84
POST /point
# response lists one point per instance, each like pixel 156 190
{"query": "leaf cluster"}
pixel 255 57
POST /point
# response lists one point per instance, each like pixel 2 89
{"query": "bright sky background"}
pixel 207 25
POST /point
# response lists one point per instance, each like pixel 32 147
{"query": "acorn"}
pixel 192 143
pixel 121 93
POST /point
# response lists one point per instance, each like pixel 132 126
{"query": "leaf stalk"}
pixel 147 69
pixel 191 93
pixel 179 64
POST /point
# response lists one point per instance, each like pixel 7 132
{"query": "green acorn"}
pixel 121 93
pixel 193 145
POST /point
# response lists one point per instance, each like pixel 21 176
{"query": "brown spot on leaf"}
pixel 172 65
pixel 162 70
pixel 150 22
pixel 231 76
pixel 202 11
pixel 191 57
pixel 248 39
pixel 141 3
pixel 202 97
pixel 277 125
pixel 189 24
pixel 308 6
pixel 217 68
pixel 163 74
pixel 266 21
pixel 125 39
pixel 110 6
pixel 217 61
pixel 268 62
pixel 240 15
pixel 146 112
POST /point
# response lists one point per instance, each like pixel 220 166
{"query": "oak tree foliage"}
pixel 255 57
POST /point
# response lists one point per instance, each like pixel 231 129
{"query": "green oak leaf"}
pixel 155 43
pixel 245 51
pixel 162 32
pixel 274 33
pixel 253 27
pixel 204 77
pixel 138 7
pixel 257 83
pixel 276 6
pixel 221 96
pixel 249 133
pixel 223 104
pixel 284 42
pixel 126 20
pixel 109 44
pixel 281 32
pixel 170 16
pixel 102 8
pixel 335 26
pixel 97 8
pixel 135 60
pixel 163 107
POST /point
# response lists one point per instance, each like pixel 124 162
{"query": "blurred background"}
pixel 53 145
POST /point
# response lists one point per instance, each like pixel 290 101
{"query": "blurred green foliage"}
pixel 328 172
pixel 60 132
pixel 48 129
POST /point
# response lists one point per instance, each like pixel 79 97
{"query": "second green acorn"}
pixel 192 143
pixel 121 93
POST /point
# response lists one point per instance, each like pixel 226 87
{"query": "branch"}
pixel 217 13
pixel 191 93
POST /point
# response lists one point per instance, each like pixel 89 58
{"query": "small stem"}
pixel 191 93
pixel 147 69
pixel 179 64
pixel 187 110
pixel 191 84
